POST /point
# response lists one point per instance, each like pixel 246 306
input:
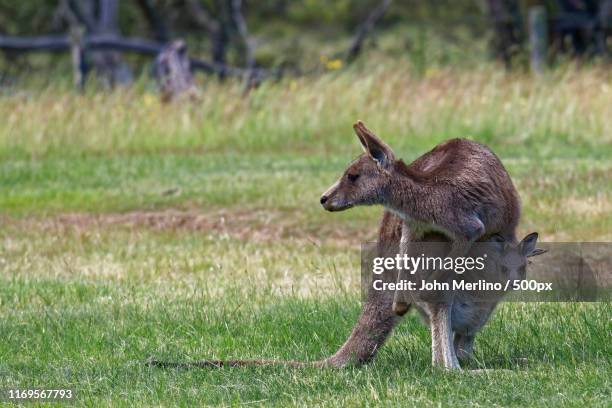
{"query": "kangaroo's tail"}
pixel 234 363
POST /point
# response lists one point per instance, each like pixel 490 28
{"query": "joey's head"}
pixel 512 257
pixel 367 179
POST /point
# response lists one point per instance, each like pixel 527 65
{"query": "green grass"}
pixel 131 230
pixel 104 302
pixel 562 199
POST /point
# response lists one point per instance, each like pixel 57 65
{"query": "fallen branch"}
pixel 61 43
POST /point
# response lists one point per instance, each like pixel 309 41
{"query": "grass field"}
pixel 133 230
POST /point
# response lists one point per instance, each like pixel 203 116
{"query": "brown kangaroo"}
pixel 460 189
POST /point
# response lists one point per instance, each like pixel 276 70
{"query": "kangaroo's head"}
pixel 367 179
pixel 512 257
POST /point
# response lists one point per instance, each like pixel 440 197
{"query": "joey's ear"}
pixel 376 148
pixel 498 242
pixel 528 245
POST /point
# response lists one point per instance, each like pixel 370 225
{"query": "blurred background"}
pixel 115 42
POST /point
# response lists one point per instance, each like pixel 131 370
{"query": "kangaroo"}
pixel 377 319
pixel 459 189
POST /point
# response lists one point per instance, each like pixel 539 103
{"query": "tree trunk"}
pixel 538 38
pixel 241 26
pixel 155 21
pixel 507 39
pixel 365 28
pixel 109 64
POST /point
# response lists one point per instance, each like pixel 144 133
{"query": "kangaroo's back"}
pixel 473 175
pixel 453 158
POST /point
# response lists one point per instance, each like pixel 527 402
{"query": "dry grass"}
pixel 510 111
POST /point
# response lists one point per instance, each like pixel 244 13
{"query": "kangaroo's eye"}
pixel 353 177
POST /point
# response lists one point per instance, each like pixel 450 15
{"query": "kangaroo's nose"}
pixel 323 199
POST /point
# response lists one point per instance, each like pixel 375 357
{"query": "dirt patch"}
pixel 257 225
pixel 254 225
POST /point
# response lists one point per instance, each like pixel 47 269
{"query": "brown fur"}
pixel 459 189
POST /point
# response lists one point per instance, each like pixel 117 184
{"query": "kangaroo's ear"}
pixel 376 148
pixel 528 246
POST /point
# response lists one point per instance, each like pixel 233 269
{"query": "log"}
pixel 48 43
